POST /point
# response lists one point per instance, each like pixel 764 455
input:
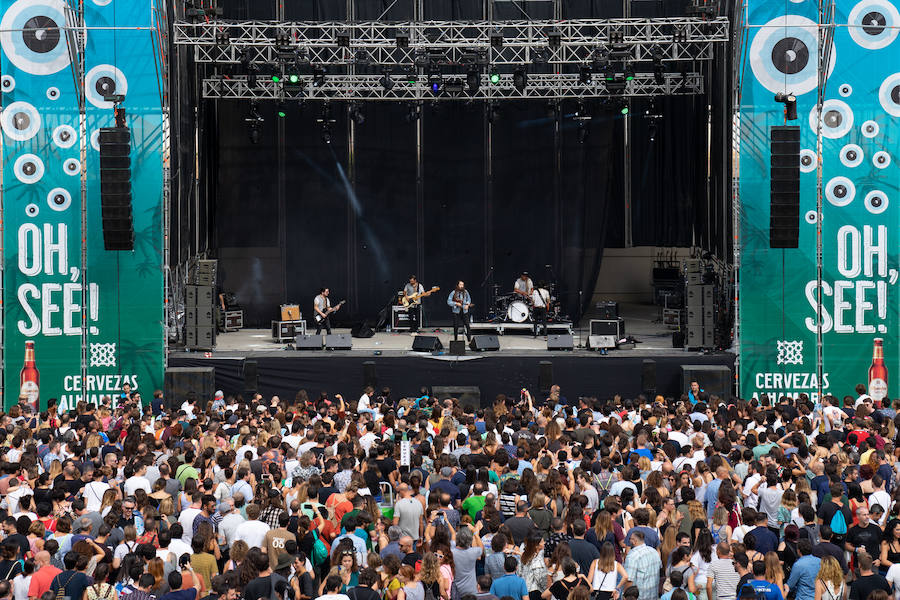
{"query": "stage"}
pixel 283 371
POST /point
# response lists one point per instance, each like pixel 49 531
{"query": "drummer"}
pixel 523 287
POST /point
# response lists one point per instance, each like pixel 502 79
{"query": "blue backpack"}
pixel 838 523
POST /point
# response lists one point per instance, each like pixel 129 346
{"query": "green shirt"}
pixel 762 450
pixel 473 504
pixel 185 472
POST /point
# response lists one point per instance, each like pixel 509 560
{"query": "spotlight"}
pixel 659 74
pixel 623 107
pixel 254 134
pixel 616 36
pixel 402 39
pixel 343 38
pixel 326 134
pixel 254 111
pixel 293 84
pixel 493 113
pixel 495 78
pixel 251 76
pixel 651 131
pixel 386 82
pixel 790 105
pixel 554 38
pixel 318 77
pixel 435 82
pixel 473 80
pixel 276 77
pixel 255 121
pixel 283 42
pixel 413 114
pixel 520 79
pixel 222 38
pixel 496 39
pixel 280 109
pixel 629 72
pixel 362 58
pixel 356 115
pixel 585 76
pixel 540 56
pixel 679 34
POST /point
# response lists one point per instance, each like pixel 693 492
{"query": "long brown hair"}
pixel 532 546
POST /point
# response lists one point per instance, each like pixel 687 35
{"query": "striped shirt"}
pixel 725 578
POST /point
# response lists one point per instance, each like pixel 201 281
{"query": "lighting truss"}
pixel 370 88
pixel 452 42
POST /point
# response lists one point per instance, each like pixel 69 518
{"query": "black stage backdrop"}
pixel 461 191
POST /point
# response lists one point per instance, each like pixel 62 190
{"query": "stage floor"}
pixel 652 337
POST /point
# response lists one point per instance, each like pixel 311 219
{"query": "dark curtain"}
pixel 668 174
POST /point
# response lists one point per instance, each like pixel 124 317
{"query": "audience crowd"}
pixel 383 498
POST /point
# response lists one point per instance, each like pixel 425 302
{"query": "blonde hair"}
pixel 774 572
pixel 830 572
pixel 431 569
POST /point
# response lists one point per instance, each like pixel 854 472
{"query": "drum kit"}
pixel 514 308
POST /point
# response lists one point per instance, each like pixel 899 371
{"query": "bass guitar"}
pixel 328 311
pixel 407 300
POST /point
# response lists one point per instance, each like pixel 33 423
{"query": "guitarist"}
pixel 415 305
pixel 322 307
pixel 460 301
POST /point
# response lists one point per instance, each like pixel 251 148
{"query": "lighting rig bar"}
pixel 408 44
pixel 372 88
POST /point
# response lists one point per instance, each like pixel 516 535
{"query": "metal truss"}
pixel 453 42
pixel 370 88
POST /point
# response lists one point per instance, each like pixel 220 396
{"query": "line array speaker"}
pixel 784 199
pixel 115 188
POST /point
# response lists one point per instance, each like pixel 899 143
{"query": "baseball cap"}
pixel 220 394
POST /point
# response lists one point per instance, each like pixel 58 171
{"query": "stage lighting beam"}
pixel 520 80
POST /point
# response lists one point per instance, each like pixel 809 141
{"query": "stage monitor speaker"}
pixel 784 198
pixel 545 377
pixel 484 343
pixel 251 375
pixel 648 378
pixel 426 343
pixel 598 342
pixel 181 382
pixel 678 339
pixel 308 342
pixel 115 188
pixel 715 380
pixel 362 330
pixel 469 396
pixel 338 341
pixel 564 341
pixel 457 348
pixel 370 374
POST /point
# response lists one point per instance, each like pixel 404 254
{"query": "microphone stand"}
pixel 488 301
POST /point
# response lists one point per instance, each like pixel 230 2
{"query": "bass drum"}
pixel 518 312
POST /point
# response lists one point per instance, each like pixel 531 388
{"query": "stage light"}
pixel 659 74
pixel 222 38
pixel 318 77
pixel 386 82
pixel 280 109
pixel 293 78
pixel 585 76
pixel 520 79
pixel 623 107
pixel 554 38
pixel 343 38
pixel 790 105
pixel 254 120
pixel 326 134
pixel 651 131
pixel 413 114
pixel 493 112
pixel 496 39
pixel 495 78
pixel 629 73
pixel 473 80
pixel 276 78
pixel 402 39
pixel 251 76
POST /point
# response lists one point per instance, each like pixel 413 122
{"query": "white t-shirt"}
pixel 137 482
pixel 364 403
pixel 252 532
pixel 179 548
pixel 893 578
pixel 751 499
pixel 93 495
pixel 187 523
pixel 883 499
pixel 540 297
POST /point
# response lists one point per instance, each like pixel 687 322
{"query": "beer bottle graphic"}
pixel 30 378
pixel 878 375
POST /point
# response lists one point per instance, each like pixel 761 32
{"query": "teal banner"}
pixel 861 203
pixel 42 203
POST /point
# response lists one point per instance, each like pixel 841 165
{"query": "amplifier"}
pixel 400 318
pixel 607 310
pixel 290 312
pixel 614 327
pixel 286 331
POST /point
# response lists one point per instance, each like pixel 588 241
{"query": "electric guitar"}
pixel 407 300
pixel 328 311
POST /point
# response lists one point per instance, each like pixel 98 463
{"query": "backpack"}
pixel 429 594
pixel 319 551
pixel 838 523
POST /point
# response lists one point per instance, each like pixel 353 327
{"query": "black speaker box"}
pixel 648 377
pixel 715 380
pixel 115 188
pixel 545 376
pixel 251 375
pixel 563 341
pixel 457 347
pixel 426 343
pixel 484 343
pixel 784 200
pixel 362 330
pixel 179 382
pixel 678 339
pixel 608 310
pixel 308 342
pixel 338 341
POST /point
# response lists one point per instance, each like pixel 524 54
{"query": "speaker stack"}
pixel 115 188
pixel 199 317
pixel 784 200
pixel 701 315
